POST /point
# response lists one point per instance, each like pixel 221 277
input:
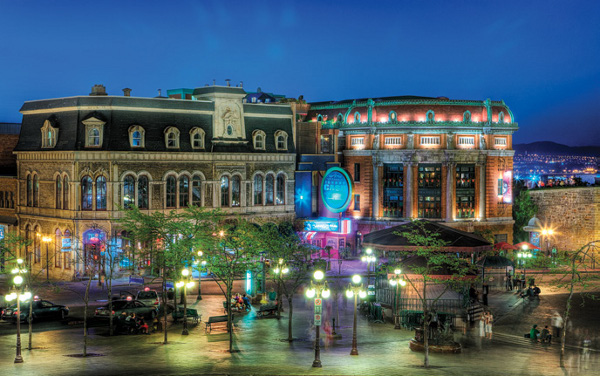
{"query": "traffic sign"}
pixel 317 319
pixel 318 309
pixel 318 301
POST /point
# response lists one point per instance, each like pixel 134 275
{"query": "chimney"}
pixel 241 83
pixel 127 92
pixel 214 82
pixel 98 90
pixel 228 82
pixel 159 93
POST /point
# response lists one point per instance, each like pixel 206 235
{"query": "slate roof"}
pixel 71 135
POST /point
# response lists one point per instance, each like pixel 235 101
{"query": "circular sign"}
pixel 336 190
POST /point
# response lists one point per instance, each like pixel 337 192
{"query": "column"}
pixel 450 191
pixel 408 200
pixel 482 191
pixel 375 194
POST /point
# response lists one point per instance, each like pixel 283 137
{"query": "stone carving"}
pixel 450 141
pixel 410 143
pixel 482 144
pixel 229 120
pixel 376 142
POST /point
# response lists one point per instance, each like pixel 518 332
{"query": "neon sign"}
pixel 336 190
pixel 322 225
pixel 505 187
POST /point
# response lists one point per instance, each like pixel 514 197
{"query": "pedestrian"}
pixel 482 325
pixel 509 282
pixel 557 324
pixel 489 320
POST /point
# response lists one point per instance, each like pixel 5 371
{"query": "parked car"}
pixel 126 306
pixel 148 297
pixel 41 310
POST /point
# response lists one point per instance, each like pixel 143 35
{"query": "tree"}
pixel 430 248
pixel 523 210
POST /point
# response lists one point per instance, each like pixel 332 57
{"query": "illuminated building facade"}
pixel 418 157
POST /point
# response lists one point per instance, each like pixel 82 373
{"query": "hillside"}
pixel 548 147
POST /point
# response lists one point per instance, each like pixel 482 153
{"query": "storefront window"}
pixel 393 190
pixel 430 191
pixel 465 191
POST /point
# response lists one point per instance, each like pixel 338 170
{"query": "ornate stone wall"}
pixel 573 213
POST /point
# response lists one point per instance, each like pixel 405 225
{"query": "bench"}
pixel 216 320
pixel 191 313
pixel 267 309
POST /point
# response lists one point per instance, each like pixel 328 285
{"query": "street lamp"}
pixel 355 289
pixel 369 259
pixel 523 256
pixel 47 239
pixel 280 270
pixel 200 265
pixel 396 281
pixel 185 283
pixel 20 297
pixel 547 233
pixel 318 289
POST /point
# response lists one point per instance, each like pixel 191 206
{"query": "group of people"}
pixel 132 323
pixel 545 336
pixel 531 292
pixel 486 320
pixel 240 303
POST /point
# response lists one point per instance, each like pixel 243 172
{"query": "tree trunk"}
pixel 86 299
pixel 29 346
pixel 566 315
pixel 110 305
pixel 279 300
pixel 165 300
pixel 425 325
pixel 229 318
pixel 290 338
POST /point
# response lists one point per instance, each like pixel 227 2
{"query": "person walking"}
pixel 557 324
pixel 482 325
pixel 489 320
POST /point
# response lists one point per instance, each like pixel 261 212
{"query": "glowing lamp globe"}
pixel 185 272
pixel 397 271
pixel 393 282
pixel 18 280
pixel 349 293
pixel 310 293
pixel 402 283
pixel 356 279
pixel 276 270
pixel 362 294
pixel 326 294
pixel 319 275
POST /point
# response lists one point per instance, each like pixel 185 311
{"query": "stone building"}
pixel 9 136
pixel 417 157
pixel 81 158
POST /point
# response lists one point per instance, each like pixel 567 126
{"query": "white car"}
pixel 148 297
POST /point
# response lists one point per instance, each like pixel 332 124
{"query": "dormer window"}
pixel 136 136
pixel 258 139
pixel 281 140
pixel 467 117
pixel 49 135
pixel 501 117
pixel 357 117
pixel 430 116
pixel 172 138
pixel 253 99
pixel 197 138
pixel 94 132
pixel 393 117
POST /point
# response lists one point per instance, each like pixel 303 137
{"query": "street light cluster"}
pixel 185 283
pixel 396 281
pixel 20 296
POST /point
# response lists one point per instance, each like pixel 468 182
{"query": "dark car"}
pixel 126 306
pixel 41 310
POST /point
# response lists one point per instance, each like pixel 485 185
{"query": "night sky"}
pixel 541 57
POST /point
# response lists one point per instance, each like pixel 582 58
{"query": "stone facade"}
pixel 573 214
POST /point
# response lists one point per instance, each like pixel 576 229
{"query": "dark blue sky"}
pixel 541 57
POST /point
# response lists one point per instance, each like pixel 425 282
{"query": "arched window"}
pixel 137 136
pixel 57 249
pixel 100 193
pixel 280 189
pixel 196 191
pixel 393 117
pixel 281 140
pixel 501 117
pixel 340 118
pixel 430 116
pixel 143 192
pixel 467 117
pixel 224 191
pixel 197 138
pixel 66 193
pixel 93 137
pixel 184 191
pixel 37 245
pixel 29 240
pixel 171 192
pixel 58 191
pixel 136 139
pixel 235 191
pixel 269 188
pixel 29 190
pixel 319 117
pixel 258 190
pixel 357 117
pixel 128 192
pixel 172 138
pixel 86 193
pixel 49 135
pixel 36 190
pixel 67 255
pixel 258 138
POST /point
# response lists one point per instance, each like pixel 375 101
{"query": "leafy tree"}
pixel 430 248
pixel 523 210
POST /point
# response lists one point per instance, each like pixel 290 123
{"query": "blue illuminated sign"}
pixel 322 225
pixel 336 190
pixel 1 232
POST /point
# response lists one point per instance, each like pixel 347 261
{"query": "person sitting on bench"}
pixel 246 301
pixel 545 336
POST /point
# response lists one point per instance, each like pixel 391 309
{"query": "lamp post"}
pixel 369 259
pixel 185 283
pixel 47 239
pixel 20 297
pixel 523 256
pixel 396 281
pixel 280 270
pixel 318 289
pixel 200 265
pixel 355 289
pixel 547 233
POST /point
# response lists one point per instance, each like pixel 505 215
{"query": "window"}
pixel 137 136
pixel 430 116
pixel 357 117
pixel 467 117
pixel 128 192
pixel 357 172
pixel 281 140
pixel 29 190
pixel 357 141
pixel 430 191
pixel 197 138
pixel 93 137
pixel 172 138
pixel 49 135
pixel 235 191
pixel 430 140
pixel 269 189
pixel 66 193
pixel 319 117
pixel 280 190
pixel 143 192
pixel 184 191
pixel 258 139
pixel 224 191
pixel 393 190
pixel 196 191
pixel 36 190
pixel 501 117
pixel 86 193
pixel 37 246
pixel 258 190
pixel 393 141
pixel 393 117
pixel 171 192
pixel 356 202
pixel 465 191
pixel 58 192
pixel 340 118
pixel 94 128
pixel 327 144
pixel 67 255
pixel 466 141
pixel 500 141
pixel 57 249
pixel 100 193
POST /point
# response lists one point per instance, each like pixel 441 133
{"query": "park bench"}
pixel 267 309
pixel 191 313
pixel 216 320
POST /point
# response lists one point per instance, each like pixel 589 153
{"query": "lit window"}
pixel 430 140
pixel 258 190
pixel 94 137
pixel 357 141
pixel 280 189
pixel 136 136
pixel 393 141
pixel 172 138
pixel 281 140
pixel 94 129
pixel 258 139
pixel 128 192
pixel 49 135
pixel 466 141
pixel 224 191
pixel 86 193
pixel 197 138
pixel 500 141
pixel 100 193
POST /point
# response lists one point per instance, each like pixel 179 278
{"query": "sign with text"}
pixel 336 190
pixel 322 225
pixel 2 232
